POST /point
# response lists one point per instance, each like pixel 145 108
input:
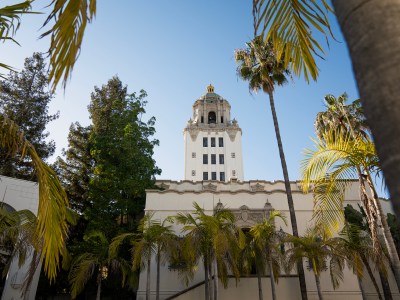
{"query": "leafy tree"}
pixel 266 244
pixel 24 98
pixel 122 149
pixel 263 69
pixel 318 249
pixel 216 240
pixel 76 169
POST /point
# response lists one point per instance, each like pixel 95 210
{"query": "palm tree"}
pixel 17 237
pixel 341 117
pixel 97 261
pixel 291 25
pixel 216 240
pixel 266 245
pixel 259 65
pixel 338 157
pixel 357 248
pixel 154 238
pixel 318 249
pixel 53 202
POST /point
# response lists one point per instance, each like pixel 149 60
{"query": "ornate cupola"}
pixel 213 142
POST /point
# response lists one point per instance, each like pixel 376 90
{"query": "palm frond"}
pixel 81 271
pixel 51 227
pixel 290 25
pixel 71 18
pixel 10 21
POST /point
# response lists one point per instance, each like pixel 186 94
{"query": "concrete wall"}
pixel 20 194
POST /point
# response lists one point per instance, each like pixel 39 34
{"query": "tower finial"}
pixel 210 89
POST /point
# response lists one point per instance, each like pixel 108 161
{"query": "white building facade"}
pixel 213 142
pixel 249 201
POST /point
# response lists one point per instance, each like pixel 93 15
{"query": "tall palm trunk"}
pixel 371 275
pixel 206 282
pixel 272 279
pixel 260 291
pixel 158 272
pixel 215 272
pixel 98 285
pixel 293 221
pixel 318 283
pixel 393 256
pixel 148 276
pixel 364 297
pixel 371 29
pixel 385 286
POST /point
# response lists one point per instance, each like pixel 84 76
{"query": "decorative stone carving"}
pixel 164 186
pixel 210 187
pixel 231 133
pixel 193 133
pixel 257 187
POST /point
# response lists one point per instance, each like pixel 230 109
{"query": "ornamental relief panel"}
pixel 245 216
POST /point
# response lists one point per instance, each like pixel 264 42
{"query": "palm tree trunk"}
pixel 215 271
pixel 371 29
pixel 272 279
pixel 385 286
pixel 364 297
pixel 318 283
pixel 293 221
pixel 158 272
pixel 148 277
pixel 210 282
pixel 98 286
pixel 260 291
pixel 391 246
pixel 206 282
pixel 371 275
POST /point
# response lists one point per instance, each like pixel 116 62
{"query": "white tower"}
pixel 213 142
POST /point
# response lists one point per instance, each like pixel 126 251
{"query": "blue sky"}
pixel 173 50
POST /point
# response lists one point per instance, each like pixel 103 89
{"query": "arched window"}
pixel 212 118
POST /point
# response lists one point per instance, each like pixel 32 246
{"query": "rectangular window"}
pixel 234 173
pixel 193 173
pixel 212 142
pixel 233 154
pixel 205 175
pixel 193 154
pixel 221 159
pixel 205 142
pixel 213 175
pixel 222 176
pixel 213 159
pixel 205 159
pixel 220 142
pixel 222 119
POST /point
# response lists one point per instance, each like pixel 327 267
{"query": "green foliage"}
pixel 394 229
pixel 10 20
pixel 259 65
pixel 75 170
pixel 319 250
pixel 95 261
pixel 212 238
pixel 266 244
pixel 122 150
pixel 292 25
pixel 24 98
